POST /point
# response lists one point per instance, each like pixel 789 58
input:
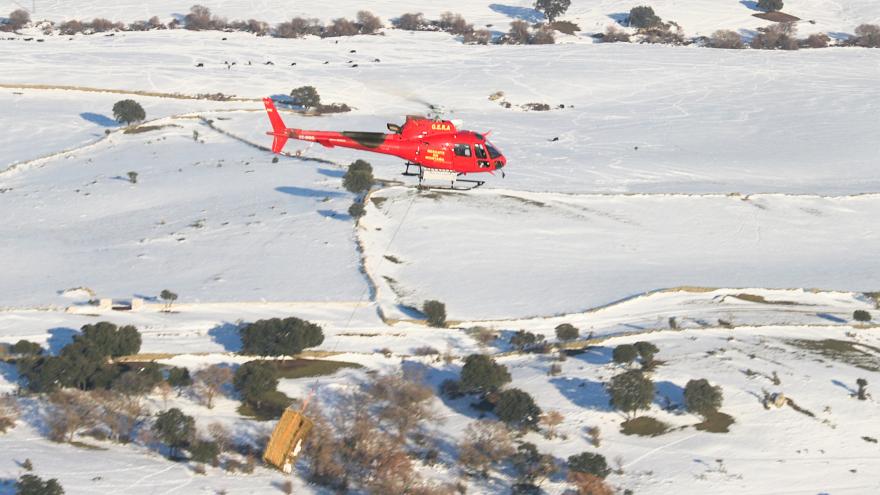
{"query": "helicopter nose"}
pixel 500 162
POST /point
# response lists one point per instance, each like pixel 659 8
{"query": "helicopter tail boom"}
pixel 279 130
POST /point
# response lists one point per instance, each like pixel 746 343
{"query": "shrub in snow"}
pixel 297 28
pixel 280 337
pixel 481 373
pixel 356 210
pixel 770 5
pixel 519 33
pixel 724 38
pixel 544 35
pixel 368 23
pixel 631 391
pixel 435 311
pixel 133 177
pixel 552 8
pixel 340 27
pixel 411 22
pixel 517 408
pixel 861 315
pixel 18 19
pixel 175 429
pixel 819 40
pixel 566 331
pixel 70 27
pixel 779 36
pixel 702 398
pixel 478 37
pixel 643 17
pixel 615 35
pixel 590 463
pixel 199 18
pixel 454 23
pixel 868 36
pixel 9 412
pixel 30 484
pixel 128 111
pixel 624 354
pixel 359 177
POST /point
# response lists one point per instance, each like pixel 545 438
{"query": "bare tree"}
pixel 210 381
pixel 550 421
pixel 9 412
pixel 69 411
pixel 120 413
pixel 485 442
pixel 403 401
pixel 165 391
pixel 220 435
pixel 589 484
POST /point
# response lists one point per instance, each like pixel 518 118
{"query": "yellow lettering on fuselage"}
pixel 441 127
pixel 435 155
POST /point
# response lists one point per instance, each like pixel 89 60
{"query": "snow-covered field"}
pixel 668 167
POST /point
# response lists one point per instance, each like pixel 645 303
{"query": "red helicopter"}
pixel 435 147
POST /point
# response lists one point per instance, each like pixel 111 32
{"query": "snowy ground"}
pixel 673 167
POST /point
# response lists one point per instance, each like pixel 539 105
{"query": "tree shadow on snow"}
pixel 751 5
pixel 329 172
pixel 598 355
pixel 844 386
pixel 583 393
pixel 830 317
pixel 621 18
pixel 101 120
pixel 668 395
pixel 7 487
pixel 521 13
pixel 305 192
pixel 335 215
pixel 227 335
pixel 433 377
pixel 58 338
pixel 9 372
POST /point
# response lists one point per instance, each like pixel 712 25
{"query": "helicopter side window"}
pixel 462 150
pixel 494 153
pixel 481 153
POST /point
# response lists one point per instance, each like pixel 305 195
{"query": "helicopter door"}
pixel 482 156
pixel 463 157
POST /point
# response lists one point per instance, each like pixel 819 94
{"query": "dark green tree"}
pixel 205 452
pixel 254 380
pixel 770 5
pixel 179 377
pixel 359 177
pixel 128 111
pixel 590 463
pixel 643 17
pixel 27 348
pixel 356 210
pixel 702 398
pixel 552 8
pixel 861 315
pixel 435 311
pixel 138 382
pixel 522 339
pixel 307 96
pixel 624 354
pixel 566 332
pixel 277 337
pixel 481 373
pixel 30 484
pixel 517 408
pixel 863 389
pixel 531 465
pixel 169 298
pixel 631 391
pixel 646 351
pixel 109 340
pixel 175 429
